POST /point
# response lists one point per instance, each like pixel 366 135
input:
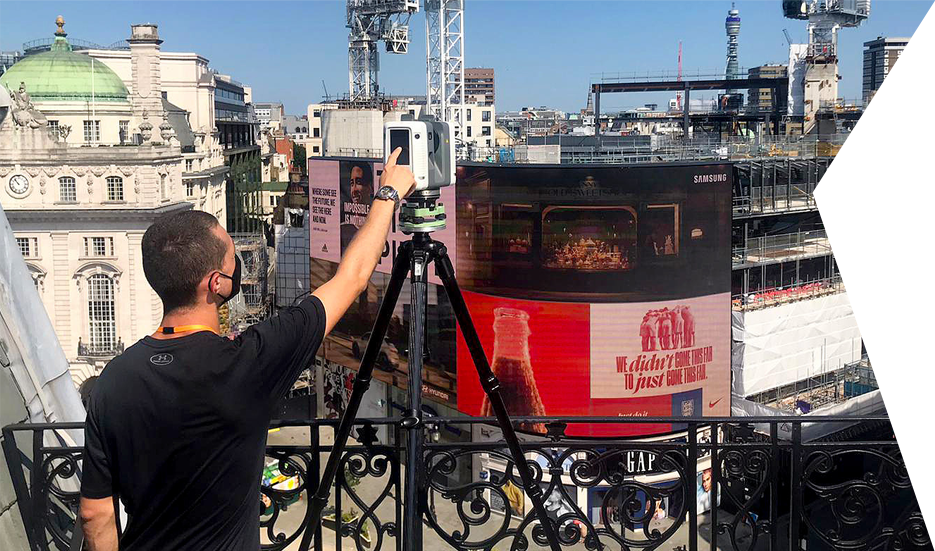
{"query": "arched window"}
pixel 102 322
pixel 114 188
pixel 67 190
pixel 164 187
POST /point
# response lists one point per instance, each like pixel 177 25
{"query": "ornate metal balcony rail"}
pixel 774 493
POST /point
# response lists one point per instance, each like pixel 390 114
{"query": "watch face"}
pixel 19 184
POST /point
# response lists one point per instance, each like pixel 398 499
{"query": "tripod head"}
pixel 421 213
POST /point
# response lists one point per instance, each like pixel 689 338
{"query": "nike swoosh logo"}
pixel 714 403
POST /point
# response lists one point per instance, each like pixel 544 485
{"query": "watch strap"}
pixel 388 193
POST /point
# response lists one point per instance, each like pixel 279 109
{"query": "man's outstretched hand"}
pixel 397 177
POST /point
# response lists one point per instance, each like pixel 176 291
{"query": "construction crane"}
pixel 788 37
pixel 678 95
pixel 444 31
pixel 825 18
pixel 369 22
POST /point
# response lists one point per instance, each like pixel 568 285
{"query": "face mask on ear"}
pixel 235 281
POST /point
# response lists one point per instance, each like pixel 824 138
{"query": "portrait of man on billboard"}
pixel 356 196
pixel 705 495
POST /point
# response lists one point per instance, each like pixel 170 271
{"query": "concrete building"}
pixel 879 57
pixel 533 121
pixel 479 86
pixel 313 143
pixel 762 98
pixel 187 86
pixel 269 115
pixel 480 120
pixel 80 187
pixel 295 126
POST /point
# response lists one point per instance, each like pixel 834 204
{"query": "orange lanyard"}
pixel 184 329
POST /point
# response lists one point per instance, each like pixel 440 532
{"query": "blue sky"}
pixel 544 52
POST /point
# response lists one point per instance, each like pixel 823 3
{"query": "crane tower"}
pixel 444 31
pixel 369 22
pixel 825 18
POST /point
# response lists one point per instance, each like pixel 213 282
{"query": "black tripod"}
pixel 420 216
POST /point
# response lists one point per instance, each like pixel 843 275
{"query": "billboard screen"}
pixel 340 194
pixel 598 291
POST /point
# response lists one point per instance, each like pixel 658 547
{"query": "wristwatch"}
pixel 387 193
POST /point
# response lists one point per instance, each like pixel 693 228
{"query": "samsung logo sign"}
pixel 709 178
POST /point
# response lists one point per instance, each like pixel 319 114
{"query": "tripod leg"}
pixel 412 514
pixel 492 388
pixel 361 384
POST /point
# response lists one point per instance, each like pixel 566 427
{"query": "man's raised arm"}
pixel 363 254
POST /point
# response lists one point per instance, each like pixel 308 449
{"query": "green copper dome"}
pixel 63 75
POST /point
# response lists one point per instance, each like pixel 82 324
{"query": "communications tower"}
pixel 369 22
pixel 732 25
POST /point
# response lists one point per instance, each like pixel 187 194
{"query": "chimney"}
pixel 147 75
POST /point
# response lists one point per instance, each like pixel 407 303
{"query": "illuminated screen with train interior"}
pixel 598 291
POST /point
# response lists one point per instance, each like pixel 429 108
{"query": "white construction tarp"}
pixel 38 364
pixel 779 345
pixel 796 71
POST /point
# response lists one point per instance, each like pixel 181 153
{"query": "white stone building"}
pixel 87 163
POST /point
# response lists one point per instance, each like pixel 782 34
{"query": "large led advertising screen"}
pixel 340 194
pixel 598 290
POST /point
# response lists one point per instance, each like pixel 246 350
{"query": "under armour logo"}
pixel 161 359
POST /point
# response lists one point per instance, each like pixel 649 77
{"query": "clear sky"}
pixel 544 52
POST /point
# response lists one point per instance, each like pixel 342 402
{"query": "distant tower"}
pixel 732 24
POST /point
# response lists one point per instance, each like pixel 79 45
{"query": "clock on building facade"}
pixel 19 185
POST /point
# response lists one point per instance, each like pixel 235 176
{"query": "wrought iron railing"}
pixel 776 492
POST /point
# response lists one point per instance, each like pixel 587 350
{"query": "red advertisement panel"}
pixel 651 359
pixel 538 350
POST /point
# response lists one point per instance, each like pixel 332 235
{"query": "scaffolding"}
pixel 832 387
pixel 252 304
pixel 774 249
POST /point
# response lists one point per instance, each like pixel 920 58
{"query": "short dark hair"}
pixel 178 251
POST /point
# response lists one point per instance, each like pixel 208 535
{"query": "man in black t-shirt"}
pixel 177 424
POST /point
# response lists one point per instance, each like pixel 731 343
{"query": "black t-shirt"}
pixel 177 429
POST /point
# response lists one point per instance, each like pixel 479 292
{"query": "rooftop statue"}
pixel 24 112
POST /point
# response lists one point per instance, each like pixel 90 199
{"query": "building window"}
pixel 485 116
pixel 99 246
pixel 114 188
pixel 124 131
pixel 67 190
pixel 53 127
pixel 316 113
pixel 189 189
pixel 28 246
pixel 101 318
pixel 316 132
pixel 468 115
pixel 315 149
pixel 488 143
pixel 188 165
pixel 485 131
pixel 92 131
pixel 468 130
pixel 163 186
pixel 272 201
